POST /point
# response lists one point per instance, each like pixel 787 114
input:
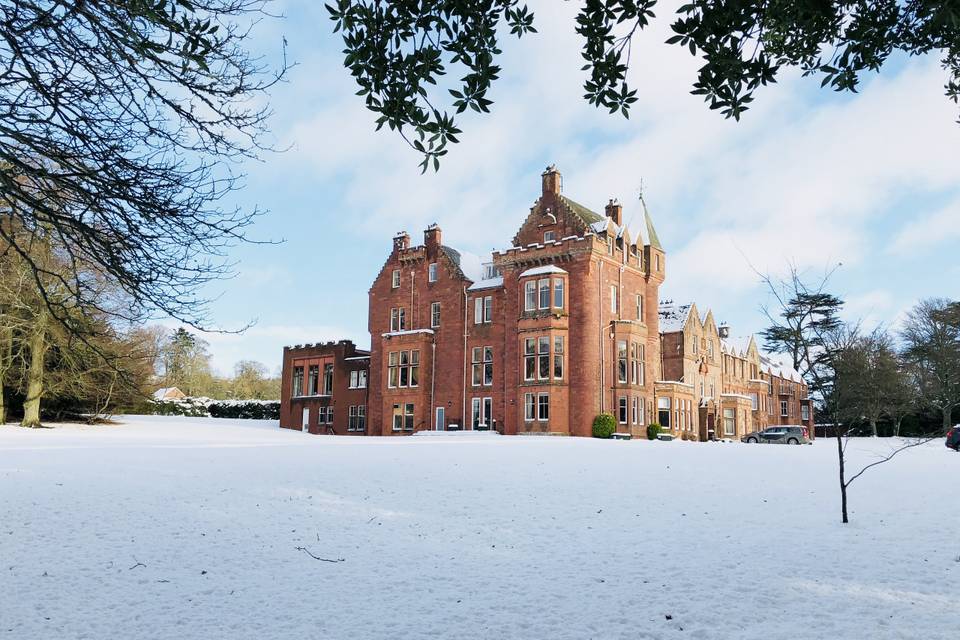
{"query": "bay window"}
pixel 544 286
pixel 530 295
pixel 558 357
pixel 543 357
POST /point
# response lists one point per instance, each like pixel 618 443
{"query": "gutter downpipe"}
pixel 463 405
pixel 600 326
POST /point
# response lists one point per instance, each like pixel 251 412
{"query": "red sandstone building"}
pixel 538 338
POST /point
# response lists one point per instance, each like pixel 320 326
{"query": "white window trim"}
pixel 432 272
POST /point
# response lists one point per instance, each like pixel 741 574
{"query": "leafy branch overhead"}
pixel 399 51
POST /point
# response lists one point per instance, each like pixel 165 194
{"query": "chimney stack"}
pixel 401 241
pixel 614 211
pixel 552 181
pixel 432 237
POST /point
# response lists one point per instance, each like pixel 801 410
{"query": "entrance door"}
pixel 441 422
pixel 306 419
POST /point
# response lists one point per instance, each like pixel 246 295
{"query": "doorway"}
pixel 441 423
pixel 305 422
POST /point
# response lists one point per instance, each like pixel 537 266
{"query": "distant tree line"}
pixel 103 361
pixel 184 363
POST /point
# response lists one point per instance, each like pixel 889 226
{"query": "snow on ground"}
pixel 189 528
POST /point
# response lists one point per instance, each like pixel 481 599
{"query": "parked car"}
pixel 779 435
pixel 953 438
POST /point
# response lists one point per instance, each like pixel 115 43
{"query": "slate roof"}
pixel 673 317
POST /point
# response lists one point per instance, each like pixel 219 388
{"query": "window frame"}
pixel 432 272
pixel 395 279
pixel 434 315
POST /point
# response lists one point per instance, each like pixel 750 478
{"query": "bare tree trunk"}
pixel 38 352
pixel 896 427
pixel 6 353
pixel 947 418
pixel 843 481
pixel 873 426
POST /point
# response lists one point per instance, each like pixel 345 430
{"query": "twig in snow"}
pixel 307 551
pixel 139 564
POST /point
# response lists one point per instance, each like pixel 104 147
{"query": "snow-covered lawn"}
pixel 190 528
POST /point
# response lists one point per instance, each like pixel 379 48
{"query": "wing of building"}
pixel 540 337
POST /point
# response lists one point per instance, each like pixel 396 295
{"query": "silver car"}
pixel 779 435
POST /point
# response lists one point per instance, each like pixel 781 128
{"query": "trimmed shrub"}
pixel 247 409
pixel 653 430
pixel 604 425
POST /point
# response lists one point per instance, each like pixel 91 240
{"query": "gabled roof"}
pixel 779 367
pixel 737 345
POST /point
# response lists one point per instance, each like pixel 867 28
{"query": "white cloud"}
pixel 929 231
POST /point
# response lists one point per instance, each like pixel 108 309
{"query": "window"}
pixel 543 407
pixel 395 279
pixel 729 422
pixel 313 379
pixel 434 315
pixel 490 272
pixel 635 411
pixel 622 361
pixel 393 369
pixel 544 285
pixel 297 381
pixel 558 293
pixel 482 413
pixel 710 349
pixel 529 358
pixel 755 401
pixel 658 262
pixel 398 319
pixel 329 415
pixel 804 413
pixel 358 379
pixel 403 369
pixel 432 272
pixel 639 307
pixel 614 306
pixel 663 412
pixel 695 344
pixel 482 361
pixel 622 409
pixel 397 417
pixel 530 296
pixel 408 417
pixel 327 379
pixel 357 418
pixel 558 357
pixel 549 236
pixel 610 245
pixel 483 310
pixel 529 407
pixel 543 357
pixel 783 408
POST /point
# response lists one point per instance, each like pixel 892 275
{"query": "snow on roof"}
pixel 405 332
pixel 540 271
pixel 161 394
pixel 673 317
pixel 491 283
pixel 470 264
pixel 779 367
pixel 736 345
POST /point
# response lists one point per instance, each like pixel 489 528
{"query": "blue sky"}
pixel 870 180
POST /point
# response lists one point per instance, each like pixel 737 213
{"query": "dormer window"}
pixel 490 272
pixel 549 236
